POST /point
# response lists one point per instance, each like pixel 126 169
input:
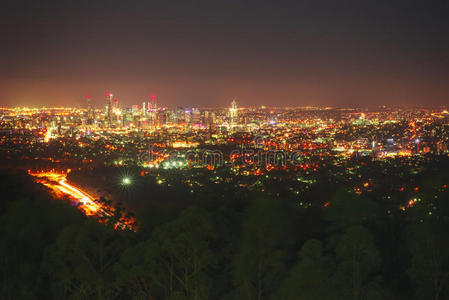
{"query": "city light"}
pixel 126 181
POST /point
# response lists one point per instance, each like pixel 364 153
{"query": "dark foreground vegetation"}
pixel 229 243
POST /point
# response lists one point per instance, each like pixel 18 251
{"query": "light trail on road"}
pixel 57 182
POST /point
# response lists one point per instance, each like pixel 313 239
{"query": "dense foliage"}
pixel 227 244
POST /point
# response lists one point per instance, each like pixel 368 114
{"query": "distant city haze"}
pixel 206 53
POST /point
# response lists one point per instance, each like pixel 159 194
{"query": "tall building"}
pixel 196 116
pixel 180 115
pixel 116 112
pixel 205 119
pixel 90 111
pixel 109 108
pixel 233 113
pixel 153 111
pixel 144 109
pixel 152 105
pixel 209 119
pixel 212 120
pixel 188 116
pixel 127 117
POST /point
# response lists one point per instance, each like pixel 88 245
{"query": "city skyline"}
pixel 99 103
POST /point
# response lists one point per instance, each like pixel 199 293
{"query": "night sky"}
pixel 205 53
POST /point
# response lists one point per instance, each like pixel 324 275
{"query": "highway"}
pixel 57 182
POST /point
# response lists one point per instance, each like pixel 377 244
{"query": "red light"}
pixel 88 96
pixel 108 94
pixel 153 97
pixel 115 100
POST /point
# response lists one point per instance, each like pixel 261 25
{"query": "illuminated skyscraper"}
pixel 109 108
pixel 180 115
pixel 153 102
pixel 144 109
pixel 209 119
pixel 233 113
pixel 90 111
pixel 116 112
pixel 196 116
pixel 153 111
pixel 188 116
